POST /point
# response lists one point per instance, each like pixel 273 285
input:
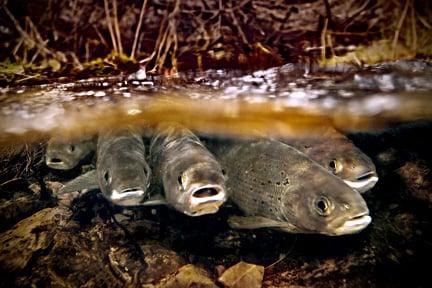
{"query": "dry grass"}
pixel 167 36
pixel 17 161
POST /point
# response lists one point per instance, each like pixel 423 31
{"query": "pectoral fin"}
pixel 256 222
pixel 85 181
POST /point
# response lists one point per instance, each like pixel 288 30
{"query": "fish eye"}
pixel 72 148
pixel 323 206
pixel 107 177
pixel 335 166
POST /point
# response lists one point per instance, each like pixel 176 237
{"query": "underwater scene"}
pixel 216 143
pixel 293 176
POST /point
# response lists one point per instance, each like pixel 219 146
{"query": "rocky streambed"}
pixel 82 240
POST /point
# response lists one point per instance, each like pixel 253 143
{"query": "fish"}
pixel 65 155
pixel 276 186
pixel 122 172
pixel 338 155
pixel 192 179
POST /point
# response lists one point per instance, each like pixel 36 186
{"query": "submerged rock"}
pixel 243 275
pixel 43 250
pixel 29 237
pixel 14 210
pixel 161 262
pixel 189 276
pixel 417 178
pixel 103 255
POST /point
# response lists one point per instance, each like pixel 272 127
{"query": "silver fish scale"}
pixel 114 142
pixel 122 147
pixel 168 137
pixel 166 149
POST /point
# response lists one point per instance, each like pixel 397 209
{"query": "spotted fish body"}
pixel 66 155
pixel 192 179
pixel 277 186
pixel 338 155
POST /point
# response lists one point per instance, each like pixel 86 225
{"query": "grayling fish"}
pixel 65 155
pixel 122 173
pixel 277 186
pixel 191 177
pixel 340 156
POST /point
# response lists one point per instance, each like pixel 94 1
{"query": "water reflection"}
pixel 227 102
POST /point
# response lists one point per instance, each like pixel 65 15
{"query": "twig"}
pixel 328 13
pixel 353 33
pixel 354 13
pixel 75 26
pixel 336 48
pixel 102 39
pixel 219 22
pixel 159 48
pixel 174 33
pixel 26 78
pixel 157 44
pixel 9 181
pixel 117 29
pixel 75 59
pixel 413 29
pixel 423 21
pixel 16 49
pixel 237 25
pixel 330 41
pixel 35 55
pixel 283 257
pixel 398 28
pixel 323 40
pixel 165 41
pixel 138 29
pixel 109 24
pixel 351 17
pixel 39 43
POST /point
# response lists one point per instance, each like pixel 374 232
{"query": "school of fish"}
pixel 296 185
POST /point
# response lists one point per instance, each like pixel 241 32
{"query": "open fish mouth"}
pixel 57 163
pixel 127 197
pixel 354 225
pixel 207 193
pixel 364 182
pixel 206 199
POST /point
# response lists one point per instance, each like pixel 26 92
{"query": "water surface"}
pixel 282 100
